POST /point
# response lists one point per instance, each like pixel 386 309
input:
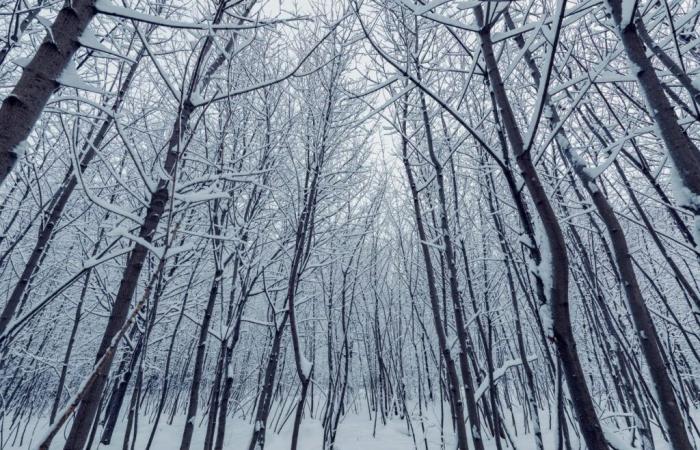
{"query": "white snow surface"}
pixel 356 431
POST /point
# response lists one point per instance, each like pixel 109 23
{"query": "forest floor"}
pixel 355 432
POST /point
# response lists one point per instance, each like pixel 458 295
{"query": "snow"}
pixel 46 23
pixel 429 6
pixel 696 82
pixel 248 169
pixel 467 5
pixel 22 62
pixel 498 373
pixel 438 18
pixel 172 251
pixel 88 39
pixel 109 8
pixel 595 172
pixel 202 196
pixel 617 443
pixel 306 366
pixel 685 197
pixel 123 232
pixel 70 78
pixel 93 262
pixel 20 149
pixel 544 270
pixel 355 431
pixel 628 8
pixel 681 193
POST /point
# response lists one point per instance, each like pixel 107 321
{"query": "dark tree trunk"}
pixel 201 352
pixel 558 295
pixel 156 208
pixel 683 152
pixel 58 204
pixel 456 403
pixel 21 109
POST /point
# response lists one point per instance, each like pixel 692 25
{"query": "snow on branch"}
pixel 110 9
pixel 499 373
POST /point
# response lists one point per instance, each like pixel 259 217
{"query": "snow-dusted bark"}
pixel 684 153
pixel 555 258
pixel 40 78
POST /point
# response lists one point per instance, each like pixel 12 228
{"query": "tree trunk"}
pixel 59 201
pixel 40 77
pixel 199 361
pixel 156 208
pixel 557 262
pixel 683 152
pixel 452 377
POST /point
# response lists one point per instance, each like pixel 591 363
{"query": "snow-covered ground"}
pixel 356 431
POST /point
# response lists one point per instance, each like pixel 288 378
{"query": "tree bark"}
pixel 558 294
pixel 156 208
pixel 683 152
pixel 59 201
pixel 453 380
pixel 21 109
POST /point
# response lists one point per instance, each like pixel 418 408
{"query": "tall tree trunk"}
pixel 683 152
pixel 257 441
pixel 556 264
pixel 460 324
pixel 59 201
pixel 456 403
pixel 154 213
pixel 646 331
pixel 40 77
pixel 193 402
pixel 69 350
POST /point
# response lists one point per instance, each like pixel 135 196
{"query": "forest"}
pixel 353 224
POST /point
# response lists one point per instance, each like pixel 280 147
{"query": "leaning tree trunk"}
pixel 257 441
pixel 557 263
pixel 456 403
pixel 156 208
pixel 168 359
pixel 303 232
pixel 69 349
pixel 530 390
pixel 116 399
pixel 154 213
pixel 460 325
pixel 202 342
pixel 646 330
pixel 230 344
pixel 677 70
pixel 101 367
pixel 40 77
pixel 683 152
pixel 59 201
